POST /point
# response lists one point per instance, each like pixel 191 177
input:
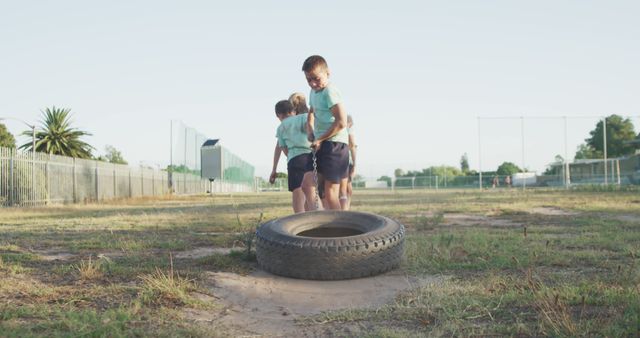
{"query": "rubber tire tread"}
pixel 375 251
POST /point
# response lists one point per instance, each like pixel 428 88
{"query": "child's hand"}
pixel 315 145
pixel 272 178
pixel 352 172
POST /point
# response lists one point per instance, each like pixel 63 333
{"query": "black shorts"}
pixel 333 161
pixel 296 168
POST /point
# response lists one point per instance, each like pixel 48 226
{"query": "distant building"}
pixel 218 163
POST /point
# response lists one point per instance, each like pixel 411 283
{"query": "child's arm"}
pixel 276 159
pixel 352 147
pixel 339 123
pixel 310 120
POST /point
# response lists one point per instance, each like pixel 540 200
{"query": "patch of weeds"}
pixel 423 222
pixel 92 269
pixel 18 257
pixel 11 268
pixel 247 237
pixel 166 289
pixel 60 321
pixel 233 262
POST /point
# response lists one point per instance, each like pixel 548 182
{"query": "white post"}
pixel 618 170
pixel 567 177
pixel 33 163
pixel 524 180
pixel 11 177
pixel 604 141
pixel 479 156
pixel 115 194
pixel 75 183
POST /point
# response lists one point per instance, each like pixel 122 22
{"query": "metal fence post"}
pixel 75 183
pixel 11 178
pixel 48 182
pixel 130 188
pixel 115 192
pixel 97 183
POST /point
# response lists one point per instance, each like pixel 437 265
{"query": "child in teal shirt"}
pixel 326 127
pixel 292 140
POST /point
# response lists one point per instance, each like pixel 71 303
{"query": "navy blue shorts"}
pixel 296 168
pixel 333 161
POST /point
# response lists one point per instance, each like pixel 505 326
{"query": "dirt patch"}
pixel 628 218
pixel 265 304
pixel 201 252
pixel 468 220
pixel 51 256
pixel 465 220
pixel 552 211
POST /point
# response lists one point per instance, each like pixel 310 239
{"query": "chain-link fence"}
pixel 188 146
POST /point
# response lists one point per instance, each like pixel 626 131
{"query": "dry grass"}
pixel 89 269
pixel 160 288
pixel 563 276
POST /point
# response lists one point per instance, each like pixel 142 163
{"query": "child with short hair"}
pixel 346 186
pixel 327 128
pixel 292 140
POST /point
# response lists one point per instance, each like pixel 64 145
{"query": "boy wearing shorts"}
pixel 292 140
pixel 327 124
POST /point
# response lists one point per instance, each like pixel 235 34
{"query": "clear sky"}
pixel 415 75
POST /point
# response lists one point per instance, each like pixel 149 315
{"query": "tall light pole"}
pixel 33 153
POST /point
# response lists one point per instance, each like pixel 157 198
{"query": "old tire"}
pixel 330 245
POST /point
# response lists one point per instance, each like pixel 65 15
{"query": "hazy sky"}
pixel 414 75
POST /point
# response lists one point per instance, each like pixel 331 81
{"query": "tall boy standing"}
pixel 327 124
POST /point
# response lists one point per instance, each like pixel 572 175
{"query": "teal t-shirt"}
pixel 292 134
pixel 321 102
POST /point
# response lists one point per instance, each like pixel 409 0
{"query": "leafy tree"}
pixel 586 151
pixel 113 155
pixel 385 179
pixel 398 172
pixel 56 136
pixel 508 168
pixel 555 167
pixel 464 163
pixel 6 138
pixel 182 169
pixel 281 175
pixel 620 133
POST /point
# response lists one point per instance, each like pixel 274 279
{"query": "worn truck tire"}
pixel 330 245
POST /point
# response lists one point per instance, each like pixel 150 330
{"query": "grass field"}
pixel 540 263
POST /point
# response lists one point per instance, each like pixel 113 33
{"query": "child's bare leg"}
pixel 298 200
pixel 349 194
pixel 332 192
pixel 309 190
pixel 344 197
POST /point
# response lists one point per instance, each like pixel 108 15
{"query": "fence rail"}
pixel 32 179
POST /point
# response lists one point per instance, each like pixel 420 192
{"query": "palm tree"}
pixel 57 137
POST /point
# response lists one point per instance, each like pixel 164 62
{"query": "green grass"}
pixel 565 275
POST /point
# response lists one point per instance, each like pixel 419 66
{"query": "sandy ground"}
pixel 552 211
pixel 267 305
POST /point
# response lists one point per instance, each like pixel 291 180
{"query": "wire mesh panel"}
pixel 28 179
